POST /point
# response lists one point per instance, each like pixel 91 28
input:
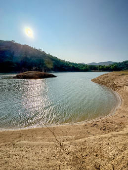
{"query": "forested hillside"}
pixel 15 57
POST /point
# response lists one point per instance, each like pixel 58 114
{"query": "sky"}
pixel 81 31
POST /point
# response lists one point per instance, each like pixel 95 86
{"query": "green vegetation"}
pixel 15 57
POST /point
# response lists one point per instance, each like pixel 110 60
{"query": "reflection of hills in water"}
pixel 71 97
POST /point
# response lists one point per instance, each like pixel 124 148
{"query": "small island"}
pixel 33 75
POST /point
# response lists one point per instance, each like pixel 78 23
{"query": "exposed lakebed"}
pixel 70 97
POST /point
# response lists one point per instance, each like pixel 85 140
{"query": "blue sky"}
pixel 75 30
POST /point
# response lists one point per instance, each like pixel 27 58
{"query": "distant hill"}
pixel 107 63
pixel 15 57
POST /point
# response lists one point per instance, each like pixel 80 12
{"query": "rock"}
pixel 97 166
pixel 33 75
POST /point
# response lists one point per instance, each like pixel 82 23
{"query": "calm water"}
pixel 71 97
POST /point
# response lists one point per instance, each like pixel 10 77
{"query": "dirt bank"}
pixel 97 145
pixel 33 75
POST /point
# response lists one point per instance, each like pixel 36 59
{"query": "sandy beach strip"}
pixel 101 144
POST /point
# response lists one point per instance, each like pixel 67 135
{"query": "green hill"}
pixel 15 57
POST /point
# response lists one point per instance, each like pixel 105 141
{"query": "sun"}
pixel 29 32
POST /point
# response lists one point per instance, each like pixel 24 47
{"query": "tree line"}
pixel 15 57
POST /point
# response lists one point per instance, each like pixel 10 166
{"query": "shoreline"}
pixel 97 144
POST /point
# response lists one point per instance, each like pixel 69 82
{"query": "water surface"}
pixel 70 97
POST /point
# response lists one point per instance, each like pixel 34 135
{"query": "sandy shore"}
pixel 97 145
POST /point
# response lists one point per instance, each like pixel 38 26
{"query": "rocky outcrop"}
pixel 33 75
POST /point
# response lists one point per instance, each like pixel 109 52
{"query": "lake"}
pixel 68 98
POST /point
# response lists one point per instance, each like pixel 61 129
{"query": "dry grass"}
pixel 121 72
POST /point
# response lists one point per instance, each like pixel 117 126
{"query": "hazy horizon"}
pixel 81 31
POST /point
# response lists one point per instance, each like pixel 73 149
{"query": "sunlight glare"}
pixel 29 32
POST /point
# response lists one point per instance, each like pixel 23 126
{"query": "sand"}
pixel 100 144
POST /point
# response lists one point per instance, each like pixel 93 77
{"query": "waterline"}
pixel 67 99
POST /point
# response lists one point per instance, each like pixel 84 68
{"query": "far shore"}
pixel 98 144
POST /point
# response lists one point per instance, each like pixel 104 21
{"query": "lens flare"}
pixel 29 32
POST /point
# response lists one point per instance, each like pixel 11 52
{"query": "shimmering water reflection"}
pixel 70 97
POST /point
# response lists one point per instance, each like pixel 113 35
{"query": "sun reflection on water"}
pixel 71 97
pixel 35 102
